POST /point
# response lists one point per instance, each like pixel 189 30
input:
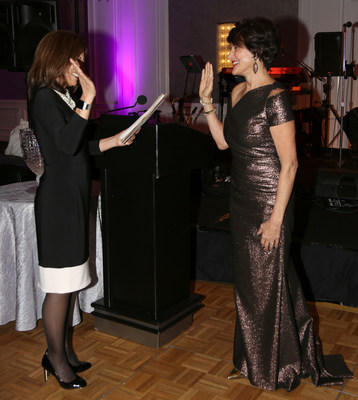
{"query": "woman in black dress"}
pixel 63 195
pixel 274 344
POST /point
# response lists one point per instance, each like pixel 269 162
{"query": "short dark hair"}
pixel 52 58
pixel 260 36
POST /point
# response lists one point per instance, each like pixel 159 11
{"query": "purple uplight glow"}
pixel 128 53
pixel 125 72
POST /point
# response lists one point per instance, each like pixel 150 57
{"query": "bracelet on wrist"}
pixel 206 104
pixel 82 105
pixel 206 113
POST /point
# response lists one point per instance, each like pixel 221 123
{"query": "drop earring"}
pixel 255 66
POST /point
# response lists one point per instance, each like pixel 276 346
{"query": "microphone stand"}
pixel 329 107
pixel 182 99
pixel 140 100
pixel 121 108
pixel 343 61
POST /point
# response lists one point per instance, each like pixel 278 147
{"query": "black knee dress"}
pixel 63 195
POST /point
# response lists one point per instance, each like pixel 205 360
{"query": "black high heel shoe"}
pixel 77 383
pixel 83 366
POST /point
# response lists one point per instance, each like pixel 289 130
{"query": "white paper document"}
pixel 129 132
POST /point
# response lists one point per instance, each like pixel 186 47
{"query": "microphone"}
pixel 347 24
pixel 140 100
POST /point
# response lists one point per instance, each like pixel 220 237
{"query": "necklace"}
pixel 67 98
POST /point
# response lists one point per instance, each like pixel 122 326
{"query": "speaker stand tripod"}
pixel 344 77
pixel 327 106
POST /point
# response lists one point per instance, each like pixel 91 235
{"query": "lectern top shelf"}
pixel 164 147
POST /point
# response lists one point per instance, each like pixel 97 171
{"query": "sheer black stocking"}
pixel 71 355
pixel 55 311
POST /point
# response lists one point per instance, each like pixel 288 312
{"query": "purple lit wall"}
pixel 128 51
pixel 125 71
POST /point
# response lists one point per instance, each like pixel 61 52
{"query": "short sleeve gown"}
pixel 62 198
pixel 274 343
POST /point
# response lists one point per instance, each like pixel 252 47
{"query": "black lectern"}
pixel 145 203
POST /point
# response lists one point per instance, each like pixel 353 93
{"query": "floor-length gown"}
pixel 274 343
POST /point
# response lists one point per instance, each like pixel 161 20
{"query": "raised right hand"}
pixel 88 88
pixel 206 83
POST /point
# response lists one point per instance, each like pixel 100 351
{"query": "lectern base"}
pixel 150 333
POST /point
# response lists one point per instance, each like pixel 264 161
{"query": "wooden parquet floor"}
pixel 194 366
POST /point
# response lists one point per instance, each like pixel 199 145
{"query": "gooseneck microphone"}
pixel 140 100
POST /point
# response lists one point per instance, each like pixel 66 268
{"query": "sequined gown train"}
pixel 274 343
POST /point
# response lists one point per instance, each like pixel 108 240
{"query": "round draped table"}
pixel 20 297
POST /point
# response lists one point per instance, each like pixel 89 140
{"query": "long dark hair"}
pixel 260 36
pixel 52 59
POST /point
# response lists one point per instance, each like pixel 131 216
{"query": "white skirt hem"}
pixel 64 280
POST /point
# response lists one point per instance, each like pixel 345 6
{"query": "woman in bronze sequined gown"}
pixel 274 344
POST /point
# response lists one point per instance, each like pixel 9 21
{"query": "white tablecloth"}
pixel 20 297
